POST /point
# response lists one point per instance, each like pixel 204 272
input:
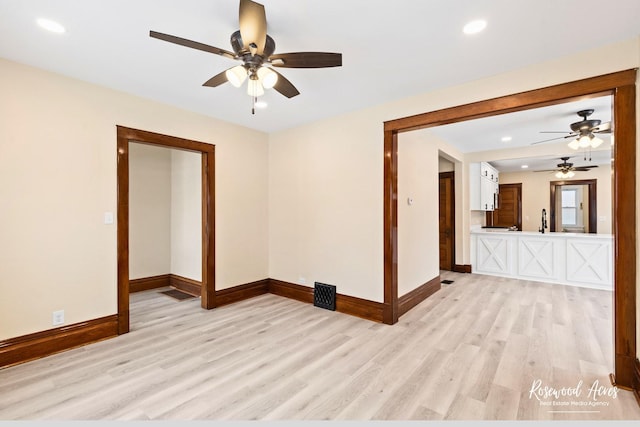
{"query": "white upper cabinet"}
pixel 483 186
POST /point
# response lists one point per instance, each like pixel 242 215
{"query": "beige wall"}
pixel 536 195
pixel 149 211
pixel 58 175
pixel 445 165
pixel 418 217
pixel 186 214
pixel 322 187
pixel 317 168
pixel 322 199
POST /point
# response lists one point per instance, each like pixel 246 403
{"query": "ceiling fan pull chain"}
pixel 253 104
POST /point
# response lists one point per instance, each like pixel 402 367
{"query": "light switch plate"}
pixel 108 217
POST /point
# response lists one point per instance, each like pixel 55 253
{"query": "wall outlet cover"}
pixel 58 318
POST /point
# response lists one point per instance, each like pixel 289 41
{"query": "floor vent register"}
pixel 324 296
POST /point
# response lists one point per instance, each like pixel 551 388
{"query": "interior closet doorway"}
pixel 165 218
pixel 125 136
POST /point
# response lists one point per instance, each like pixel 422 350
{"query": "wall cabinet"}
pixel 483 186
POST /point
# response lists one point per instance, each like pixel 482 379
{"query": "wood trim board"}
pixel 124 137
pixel 419 294
pixel 462 268
pixel 636 386
pixel 147 283
pixel 354 306
pixel 40 344
pixel 242 292
pixel 188 286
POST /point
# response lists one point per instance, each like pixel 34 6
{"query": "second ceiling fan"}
pixel 255 49
pixel 566 169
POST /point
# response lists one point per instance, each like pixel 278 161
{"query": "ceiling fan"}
pixel 255 49
pixel 582 131
pixel 566 169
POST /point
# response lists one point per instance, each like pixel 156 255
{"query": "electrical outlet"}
pixel 58 318
pixel 302 280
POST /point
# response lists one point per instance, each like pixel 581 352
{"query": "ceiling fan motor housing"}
pixel 565 165
pixel 585 126
pixel 241 50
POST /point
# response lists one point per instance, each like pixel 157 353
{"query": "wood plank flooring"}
pixel 470 352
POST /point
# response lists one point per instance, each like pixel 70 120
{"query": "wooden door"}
pixel 447 221
pixel 509 212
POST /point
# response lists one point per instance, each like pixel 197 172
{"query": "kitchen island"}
pixel 576 259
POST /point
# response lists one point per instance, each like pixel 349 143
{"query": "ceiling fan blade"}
pixel 217 80
pixel 285 87
pixel 548 140
pixel 306 60
pixel 551 131
pixel 547 170
pixel 584 168
pixel 253 26
pixel 191 44
pixel 603 128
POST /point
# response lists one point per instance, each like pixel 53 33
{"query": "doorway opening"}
pixel 622 87
pixel 573 206
pixel 165 217
pixel 447 220
pixel 509 210
pixel 207 152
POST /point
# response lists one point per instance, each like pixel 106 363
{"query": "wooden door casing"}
pixel 446 220
pixel 509 212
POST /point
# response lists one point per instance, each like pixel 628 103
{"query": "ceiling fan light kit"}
pixel 267 77
pixel 254 88
pixel 255 48
pixel 565 175
pixel 236 75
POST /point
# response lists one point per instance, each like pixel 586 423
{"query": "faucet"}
pixel 544 221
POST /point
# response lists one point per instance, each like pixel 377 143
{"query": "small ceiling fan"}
pixel 582 131
pixel 566 169
pixel 255 49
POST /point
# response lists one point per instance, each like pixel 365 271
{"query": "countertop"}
pixel 537 233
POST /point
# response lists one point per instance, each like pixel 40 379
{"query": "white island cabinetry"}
pixel 577 259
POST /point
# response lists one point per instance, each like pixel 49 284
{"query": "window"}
pixel 570 207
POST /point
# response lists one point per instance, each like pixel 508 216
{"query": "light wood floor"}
pixel 471 351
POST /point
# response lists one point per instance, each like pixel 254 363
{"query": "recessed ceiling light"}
pixel 475 27
pixel 50 25
pixel 261 104
pixel 506 139
pixel 524 166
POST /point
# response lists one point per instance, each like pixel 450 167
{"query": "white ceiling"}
pixel 391 49
pixel 523 127
pixel 550 162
